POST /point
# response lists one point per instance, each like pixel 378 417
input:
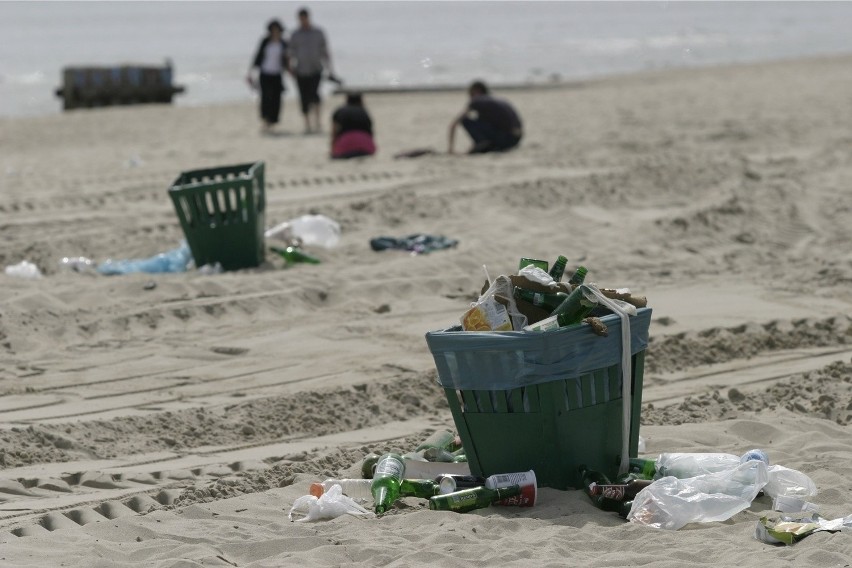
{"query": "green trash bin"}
pixel 221 211
pixel 548 401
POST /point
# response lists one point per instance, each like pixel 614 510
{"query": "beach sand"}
pixel 171 420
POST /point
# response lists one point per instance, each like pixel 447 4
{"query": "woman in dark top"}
pixel 271 62
pixel 352 130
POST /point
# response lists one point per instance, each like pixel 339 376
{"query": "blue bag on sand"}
pixel 175 260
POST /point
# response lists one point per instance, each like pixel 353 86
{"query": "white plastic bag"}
pixel 690 464
pixel 671 503
pixel 311 230
pixel 24 269
pixel 786 482
pixel 331 505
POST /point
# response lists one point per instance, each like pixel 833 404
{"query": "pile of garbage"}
pixel 536 299
pixel 436 470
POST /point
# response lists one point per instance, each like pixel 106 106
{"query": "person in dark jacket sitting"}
pixel 271 62
pixel 492 123
pixel 352 130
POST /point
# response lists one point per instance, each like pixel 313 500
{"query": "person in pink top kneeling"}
pixel 352 130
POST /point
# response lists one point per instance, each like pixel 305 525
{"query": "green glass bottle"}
pixel 473 498
pixel 422 488
pixel 438 455
pixel 294 255
pixel 548 302
pixel 390 470
pixel 558 268
pixel 440 439
pixel 574 308
pixel 368 466
pixel 625 509
pixel 578 277
pixel 534 261
pixel 643 468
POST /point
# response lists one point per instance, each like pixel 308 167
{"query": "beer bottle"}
pixel 643 468
pixel 440 439
pixel 452 482
pixel 361 489
pixel 294 255
pixel 619 492
pixel 574 308
pixel 625 509
pixel 545 301
pixel 438 455
pixel 590 477
pixel 368 466
pixel 578 277
pixel 390 470
pixel 470 499
pixel 422 488
pixel 558 268
pixel 534 261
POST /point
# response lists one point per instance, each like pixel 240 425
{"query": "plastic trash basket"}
pixel 547 401
pixel 221 211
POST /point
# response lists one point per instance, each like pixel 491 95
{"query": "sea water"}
pixel 402 44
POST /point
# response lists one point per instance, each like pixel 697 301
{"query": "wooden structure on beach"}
pixel 89 87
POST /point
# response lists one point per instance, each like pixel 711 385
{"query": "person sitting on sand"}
pixel 352 130
pixel 492 123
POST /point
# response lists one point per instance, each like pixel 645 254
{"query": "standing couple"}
pixel 305 57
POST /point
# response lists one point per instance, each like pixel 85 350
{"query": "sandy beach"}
pixel 171 420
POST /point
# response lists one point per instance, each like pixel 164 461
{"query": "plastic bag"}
pixel 690 464
pixel 488 314
pixel 316 230
pixel 671 503
pixel 175 260
pixel 786 482
pixel 24 269
pixel 77 263
pixel 331 505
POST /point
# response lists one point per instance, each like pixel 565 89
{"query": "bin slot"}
pixel 515 400
pixel 469 399
pixel 532 404
pixel 498 398
pixel 587 388
pixel 573 395
pixel 483 399
pixel 614 381
pixel 600 383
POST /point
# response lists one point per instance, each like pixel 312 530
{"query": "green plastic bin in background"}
pixel 548 401
pixel 221 211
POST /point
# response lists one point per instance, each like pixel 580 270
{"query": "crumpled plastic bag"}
pixel 24 269
pixel 786 482
pixel 671 503
pixel 331 505
pixel 311 230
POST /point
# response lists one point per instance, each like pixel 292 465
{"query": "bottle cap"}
pixel 316 489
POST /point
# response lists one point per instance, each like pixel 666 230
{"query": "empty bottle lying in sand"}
pixel 362 489
pixel 471 499
pixel 295 255
pixel 440 439
pixel 591 480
